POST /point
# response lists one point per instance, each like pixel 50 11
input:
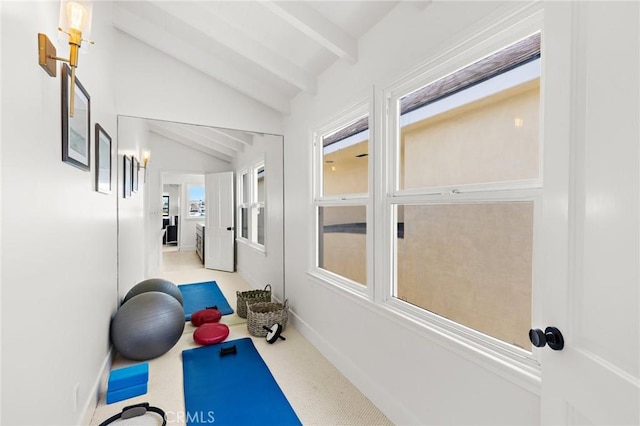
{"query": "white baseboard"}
pixel 249 279
pixel 89 406
pixel 386 402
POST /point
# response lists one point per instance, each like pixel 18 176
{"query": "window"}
pixel 470 263
pixel 342 203
pixel 458 189
pixel 257 206
pixel 195 204
pixel 342 241
pixel 251 205
pixel 478 125
pixel 345 160
pixel 465 191
pixel 243 207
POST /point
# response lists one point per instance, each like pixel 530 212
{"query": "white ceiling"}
pixel 268 50
pixel 224 144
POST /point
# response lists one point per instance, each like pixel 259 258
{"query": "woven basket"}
pixel 251 296
pixel 265 314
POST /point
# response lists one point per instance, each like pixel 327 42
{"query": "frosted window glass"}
pixel 470 263
pixel 342 241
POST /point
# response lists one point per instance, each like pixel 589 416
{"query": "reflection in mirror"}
pixel 182 155
pixel 259 212
pixel 165 205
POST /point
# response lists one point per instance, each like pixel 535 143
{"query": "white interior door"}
pixel 219 236
pixel 591 213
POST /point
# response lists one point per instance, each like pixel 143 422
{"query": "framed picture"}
pixel 134 174
pixel 127 177
pixel 76 130
pixel 103 160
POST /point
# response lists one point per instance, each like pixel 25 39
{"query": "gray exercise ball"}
pixel 147 326
pixel 155 284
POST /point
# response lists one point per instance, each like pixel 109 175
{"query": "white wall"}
pixel 1 116
pixel 258 268
pixel 152 84
pixel 58 235
pixel 187 227
pixel 132 140
pixel 409 373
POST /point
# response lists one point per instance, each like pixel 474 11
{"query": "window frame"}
pixel 345 118
pixel 487 37
pixel 450 326
pixel 256 205
pixel 513 78
pixel 251 204
pixel 241 176
pixel 388 184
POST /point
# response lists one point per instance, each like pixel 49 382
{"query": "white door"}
pixel 219 235
pixel 591 213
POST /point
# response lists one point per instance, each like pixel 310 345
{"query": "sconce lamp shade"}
pixel 75 22
pixel 146 155
pixel 75 17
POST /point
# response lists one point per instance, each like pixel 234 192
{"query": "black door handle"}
pixel 550 336
pixel 230 228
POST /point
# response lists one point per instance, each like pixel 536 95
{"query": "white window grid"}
pixel 351 115
pixel 392 196
pixel 250 202
pixel 513 363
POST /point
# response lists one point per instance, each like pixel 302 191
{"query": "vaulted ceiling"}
pixel 268 50
pixel 224 144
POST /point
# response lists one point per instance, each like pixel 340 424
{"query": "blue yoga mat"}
pixel 198 296
pixel 234 389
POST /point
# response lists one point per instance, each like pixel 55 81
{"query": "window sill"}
pixel 333 282
pixel 255 247
pixel 521 370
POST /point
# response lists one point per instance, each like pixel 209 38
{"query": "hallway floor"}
pixel 318 393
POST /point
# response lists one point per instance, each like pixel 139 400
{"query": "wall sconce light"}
pixel 146 155
pixel 75 21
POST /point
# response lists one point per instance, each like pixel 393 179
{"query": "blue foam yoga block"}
pixel 128 376
pixel 126 393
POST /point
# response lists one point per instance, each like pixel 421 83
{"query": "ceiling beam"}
pixel 197 16
pixel 182 50
pixel 236 135
pixel 192 133
pixel 312 23
pixel 171 134
pixel 216 138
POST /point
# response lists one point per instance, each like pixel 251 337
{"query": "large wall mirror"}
pixel 172 205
